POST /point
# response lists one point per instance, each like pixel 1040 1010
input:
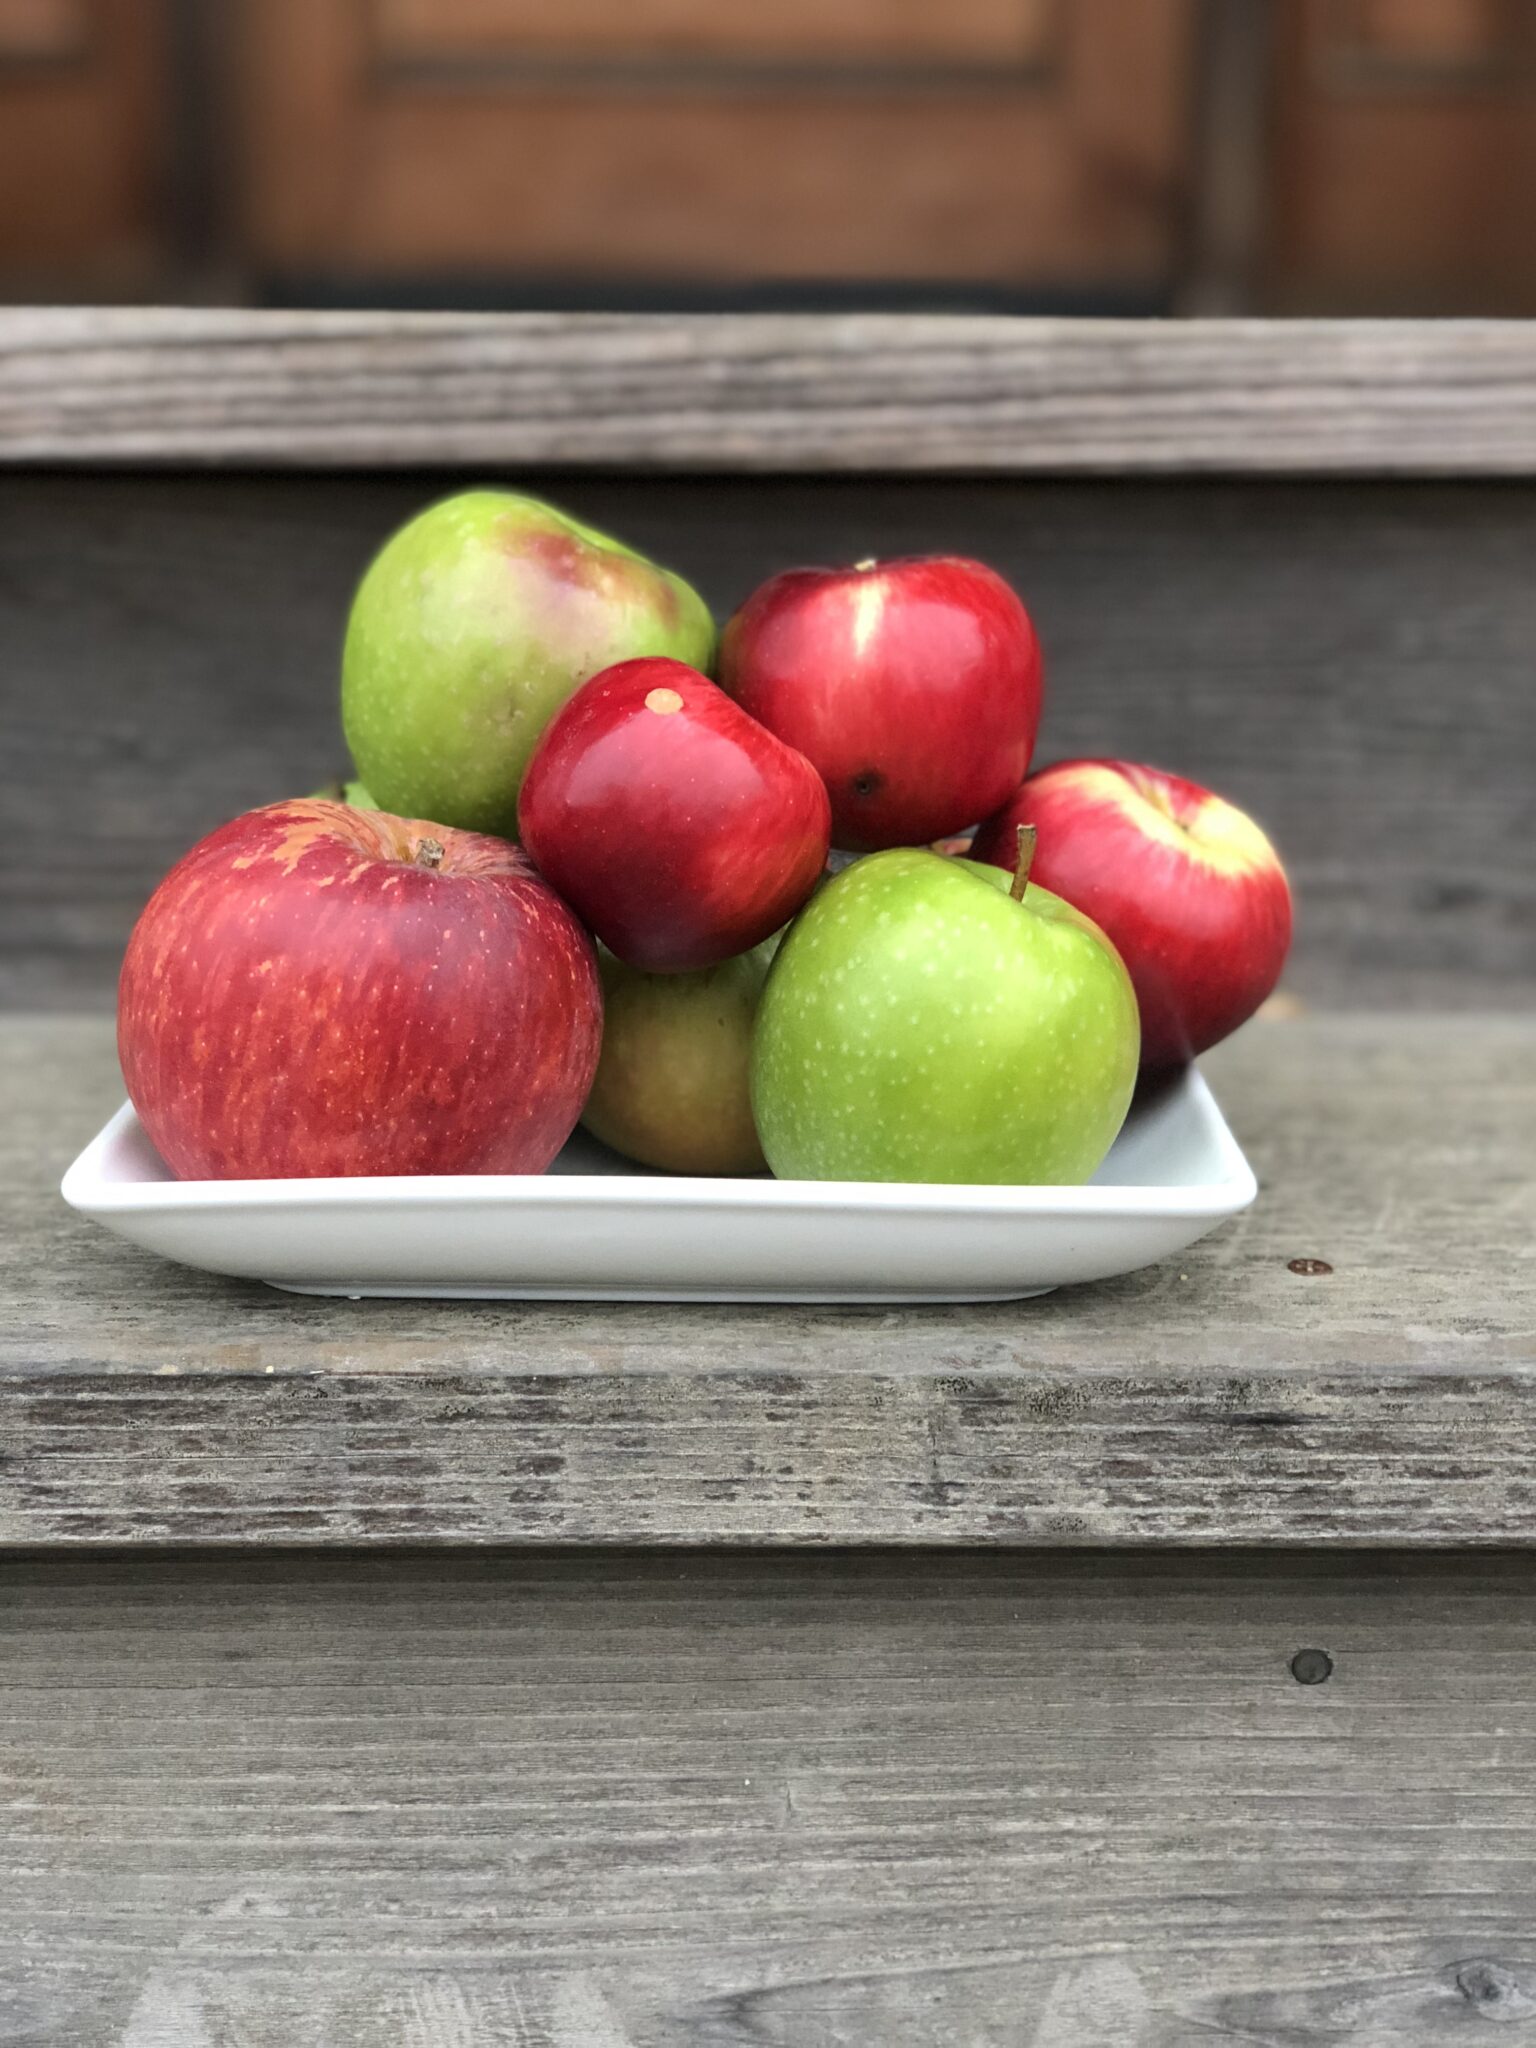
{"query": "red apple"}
pixel 320 990
pixel 914 686
pixel 682 831
pixel 1186 886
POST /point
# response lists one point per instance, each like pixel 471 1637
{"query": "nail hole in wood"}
pixel 1308 1266
pixel 1311 1667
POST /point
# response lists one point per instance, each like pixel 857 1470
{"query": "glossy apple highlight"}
pixel 914 686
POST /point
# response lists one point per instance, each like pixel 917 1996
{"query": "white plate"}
pixel 596 1229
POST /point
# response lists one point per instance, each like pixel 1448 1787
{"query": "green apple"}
pixel 672 1086
pixel 471 627
pixel 923 1023
pixel 353 793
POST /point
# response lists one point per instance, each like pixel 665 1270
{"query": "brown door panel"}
pixel 83 152
pixel 1404 157
pixel 987 33
pixel 1011 140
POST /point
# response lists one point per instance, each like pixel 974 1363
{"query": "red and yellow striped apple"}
pixel 913 687
pixel 318 990
pixel 1187 887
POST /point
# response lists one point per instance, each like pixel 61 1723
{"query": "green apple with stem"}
pixel 471 627
pixel 929 1019
pixel 672 1085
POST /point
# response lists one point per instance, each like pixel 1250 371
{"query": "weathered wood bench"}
pixel 1148 1664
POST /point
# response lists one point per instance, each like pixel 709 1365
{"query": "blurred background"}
pixel 1097 156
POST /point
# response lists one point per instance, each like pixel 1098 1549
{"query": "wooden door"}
pixel 84 165
pixel 1404 157
pixel 1021 142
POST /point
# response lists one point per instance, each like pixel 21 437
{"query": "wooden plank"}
pixel 767 392
pixel 1220 1398
pixel 1338 659
pixel 937 1802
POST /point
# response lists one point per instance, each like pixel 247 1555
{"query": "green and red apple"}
pixel 931 1019
pixel 472 626
pixel 673 1081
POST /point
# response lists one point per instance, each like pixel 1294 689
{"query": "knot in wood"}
pixel 1495 1992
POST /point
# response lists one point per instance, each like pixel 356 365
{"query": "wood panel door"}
pixel 1404 157
pixel 84 165
pixel 1022 142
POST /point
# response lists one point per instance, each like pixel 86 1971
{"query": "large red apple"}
pixel 680 829
pixel 320 990
pixel 1186 886
pixel 914 686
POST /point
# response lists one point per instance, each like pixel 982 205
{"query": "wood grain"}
pixel 935 1802
pixel 1351 663
pixel 768 392
pixel 1221 1398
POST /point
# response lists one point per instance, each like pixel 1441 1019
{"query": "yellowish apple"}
pixel 673 1082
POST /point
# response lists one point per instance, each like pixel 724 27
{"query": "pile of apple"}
pixel 402 979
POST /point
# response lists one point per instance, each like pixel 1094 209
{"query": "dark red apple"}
pixel 319 990
pixel 1186 886
pixel 914 687
pixel 680 829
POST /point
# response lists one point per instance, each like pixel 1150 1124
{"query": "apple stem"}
pixel 429 853
pixel 1027 837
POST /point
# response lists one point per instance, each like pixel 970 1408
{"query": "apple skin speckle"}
pixel 989 1041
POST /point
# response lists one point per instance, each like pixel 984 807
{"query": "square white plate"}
pixel 596 1229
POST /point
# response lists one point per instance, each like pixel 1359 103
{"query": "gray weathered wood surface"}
pixel 768 391
pixel 1219 1398
pixel 1351 662
pixel 572 1797
pixel 836 1802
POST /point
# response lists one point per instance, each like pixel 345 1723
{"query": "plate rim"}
pixel 1237 1187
